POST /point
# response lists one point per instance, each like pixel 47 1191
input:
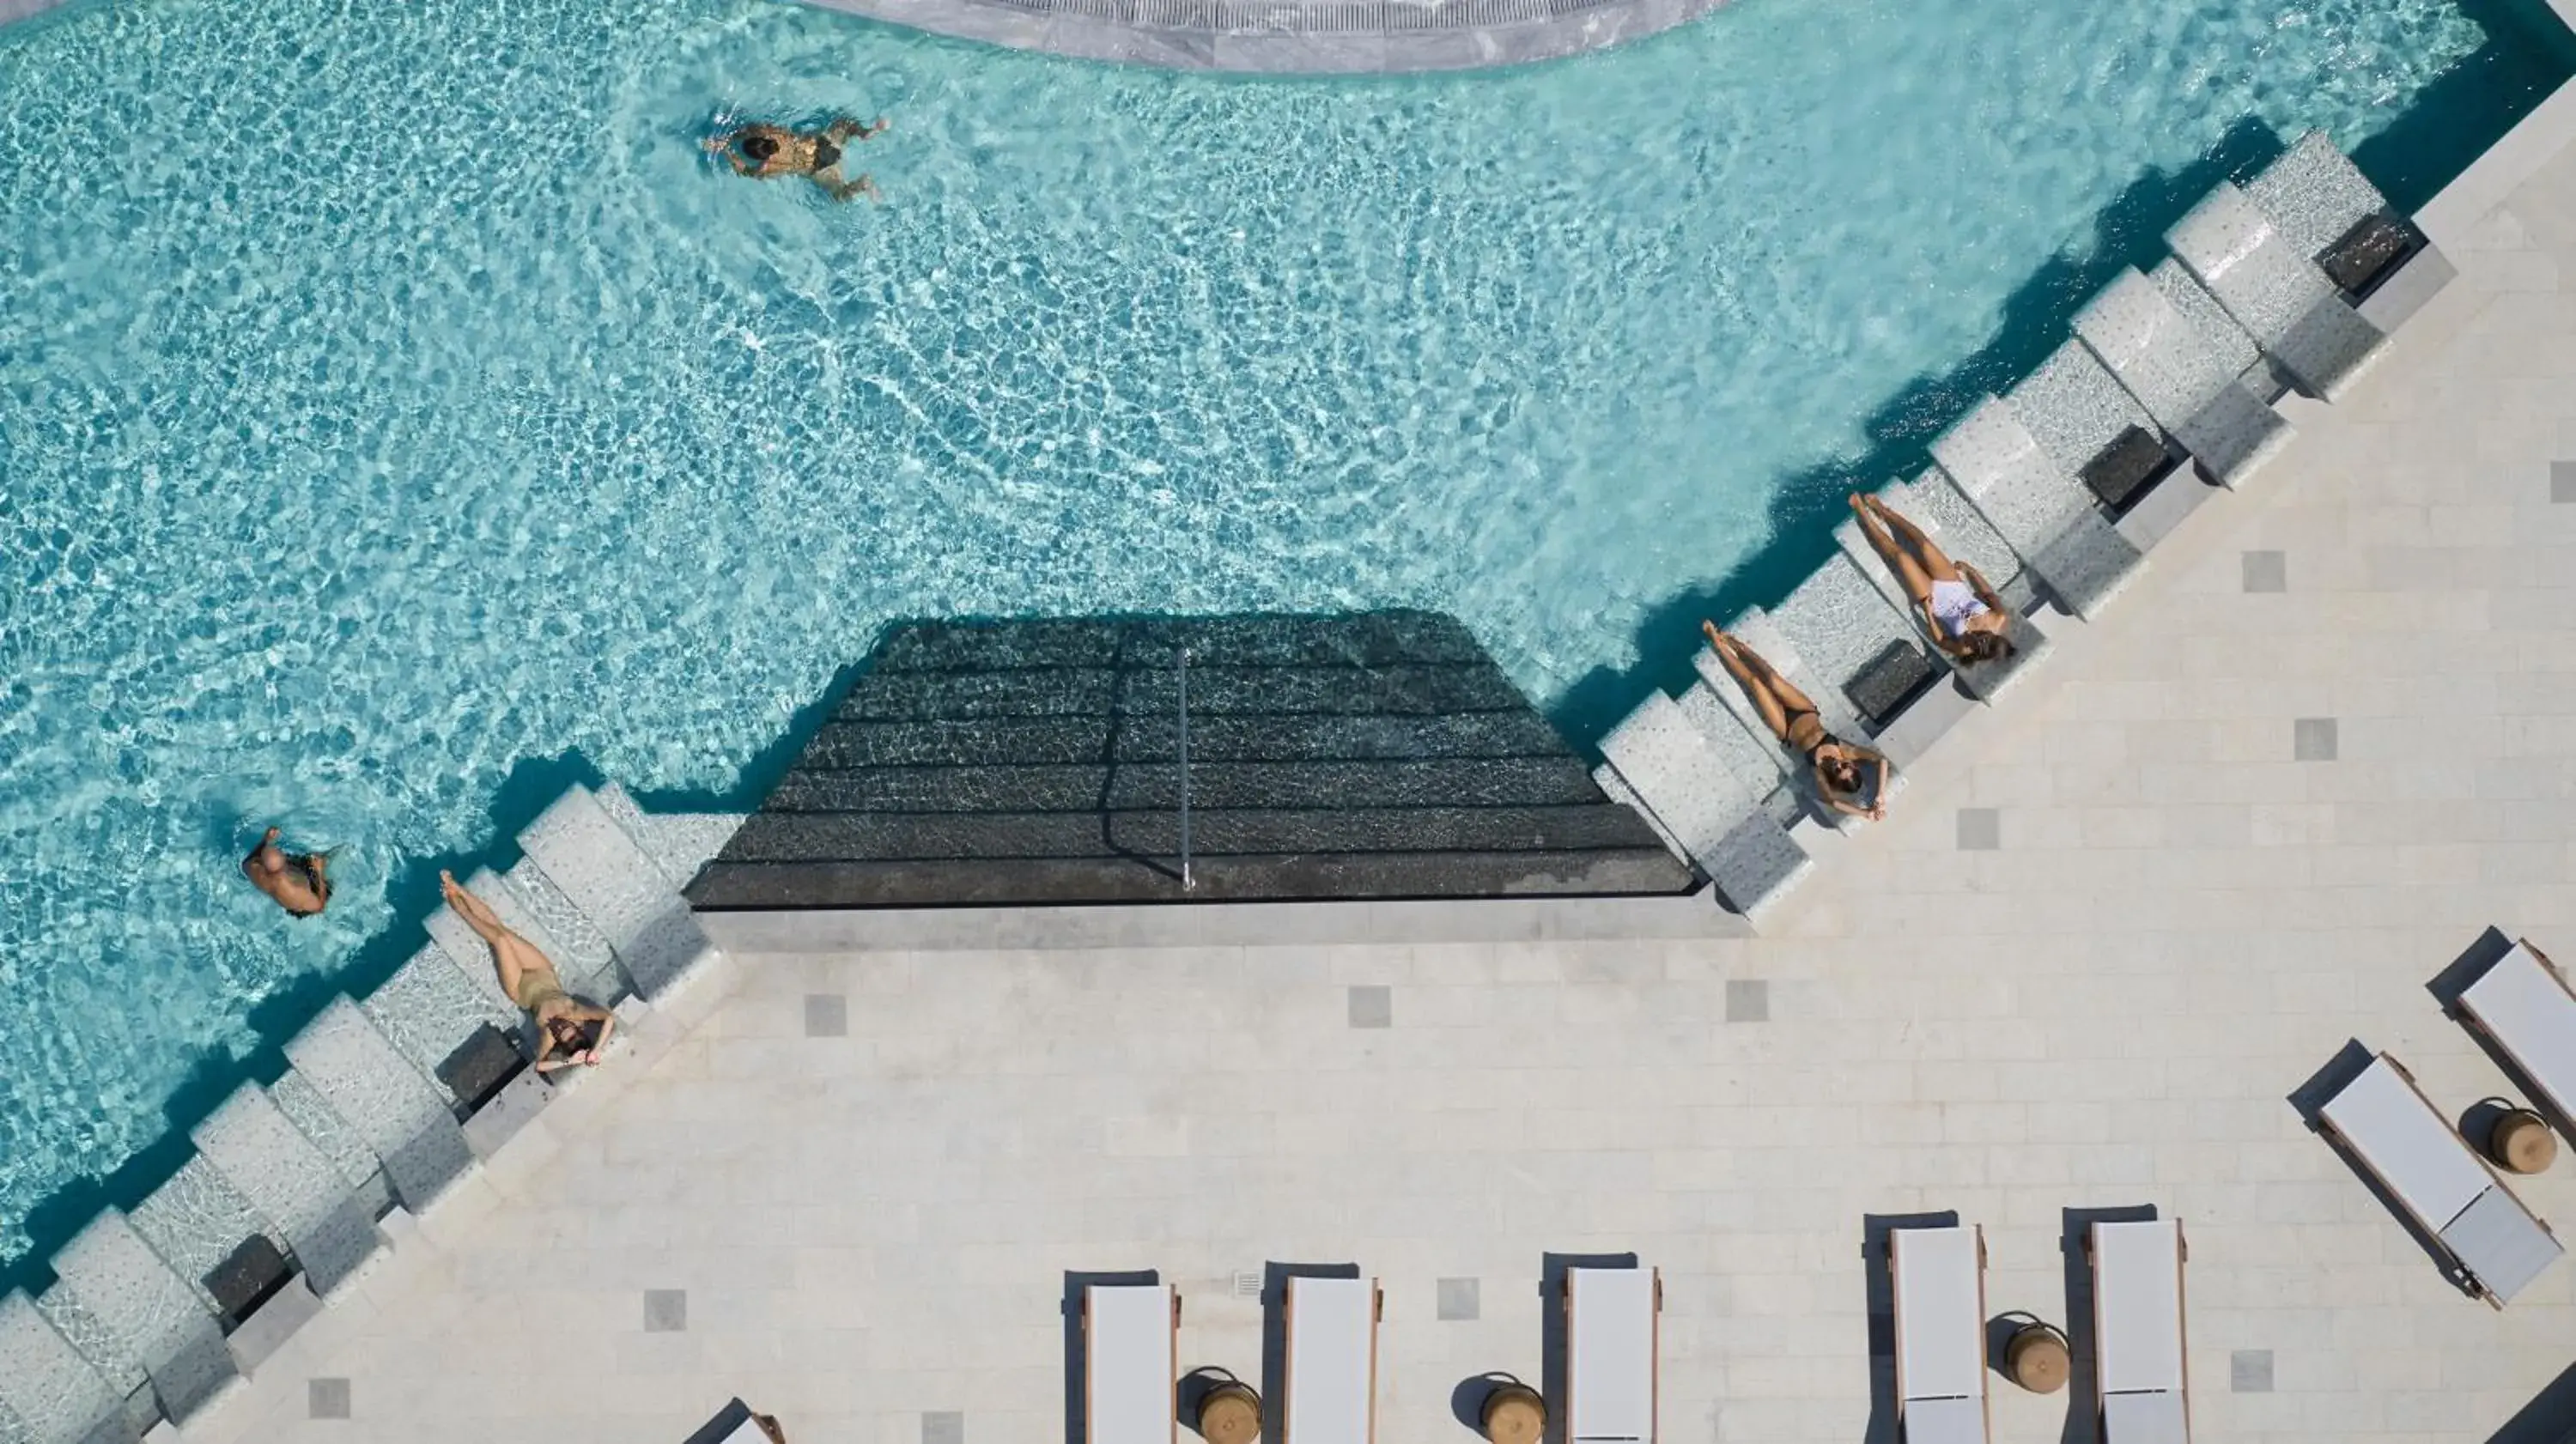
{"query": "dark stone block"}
pixel 247 1278
pixel 480 1067
pixel 2125 469
pixel 1896 676
pixel 2369 252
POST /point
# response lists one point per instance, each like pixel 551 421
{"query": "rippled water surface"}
pixel 392 395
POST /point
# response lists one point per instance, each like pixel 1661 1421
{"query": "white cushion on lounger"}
pixel 1332 1360
pixel 2144 1419
pixel 1940 1327
pixel 1127 1363
pixel 1945 1421
pixel 2407 1144
pixel 747 1433
pixel 2527 1010
pixel 2137 1283
pixel 1610 1349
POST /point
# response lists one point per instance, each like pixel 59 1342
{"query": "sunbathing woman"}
pixel 1963 614
pixel 562 1022
pixel 1849 778
pixel 766 152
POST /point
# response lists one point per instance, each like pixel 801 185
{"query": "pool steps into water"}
pixel 2056 490
pixel 295 1190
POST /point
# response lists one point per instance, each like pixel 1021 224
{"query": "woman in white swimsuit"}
pixel 1963 614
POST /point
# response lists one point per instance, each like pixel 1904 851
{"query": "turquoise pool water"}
pixel 393 399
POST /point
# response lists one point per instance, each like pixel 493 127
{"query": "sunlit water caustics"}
pixel 394 395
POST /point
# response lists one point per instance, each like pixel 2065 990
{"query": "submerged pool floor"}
pixel 394 401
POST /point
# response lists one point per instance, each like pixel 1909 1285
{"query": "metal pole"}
pixel 1187 881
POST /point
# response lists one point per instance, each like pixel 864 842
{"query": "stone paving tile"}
pixel 827 1015
pixel 1372 1006
pixel 1981 829
pixel 327 1398
pixel 2267 571
pixel 1457 1301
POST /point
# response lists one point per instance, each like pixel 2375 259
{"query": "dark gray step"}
pixel 1102 692
pixel 1641 871
pixel 1220 738
pixel 819 837
pixel 1376 639
pixel 1464 782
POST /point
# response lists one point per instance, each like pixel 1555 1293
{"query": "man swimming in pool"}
pixel 295 879
pixel 766 152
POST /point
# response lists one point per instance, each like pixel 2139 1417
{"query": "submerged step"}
pixel 577 948
pixel 429 1008
pixel 46 1390
pixel 810 837
pixel 199 1223
pixel 1437 782
pixel 148 1314
pixel 584 853
pixel 400 1115
pixel 285 1177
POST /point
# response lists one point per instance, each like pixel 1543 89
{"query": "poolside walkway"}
pixel 2328 739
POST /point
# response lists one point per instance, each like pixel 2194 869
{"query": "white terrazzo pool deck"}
pixel 2328 737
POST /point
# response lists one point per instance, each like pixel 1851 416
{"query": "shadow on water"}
pixel 2454 120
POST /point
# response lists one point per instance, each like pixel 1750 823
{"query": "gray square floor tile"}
pixel 2312 739
pixel 945 1427
pixel 666 1311
pixel 1458 1299
pixel 1981 829
pixel 2249 1371
pixel 1748 1000
pixel 827 1015
pixel 1372 1006
pixel 2562 481
pixel 2267 571
pixel 327 1399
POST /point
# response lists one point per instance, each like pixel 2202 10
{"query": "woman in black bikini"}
pixel 1844 772
pixel 766 152
pixel 295 879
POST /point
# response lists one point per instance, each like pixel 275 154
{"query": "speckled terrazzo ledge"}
pixel 1290 37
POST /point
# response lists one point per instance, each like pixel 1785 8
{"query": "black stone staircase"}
pixel 1373 756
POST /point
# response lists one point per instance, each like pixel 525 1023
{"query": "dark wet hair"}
pixel 759 147
pixel 1842 772
pixel 1986 646
pixel 568 1035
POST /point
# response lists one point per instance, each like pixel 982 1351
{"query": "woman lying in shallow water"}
pixel 766 152
pixel 563 1022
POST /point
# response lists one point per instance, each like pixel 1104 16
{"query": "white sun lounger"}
pixel 2277 294
pixel 1331 1396
pixel 2494 1243
pixel 2138 1332
pixel 1612 1354
pixel 1940 1283
pixel 2524 1005
pixel 2378 259
pixel 1127 1350
pixel 2184 371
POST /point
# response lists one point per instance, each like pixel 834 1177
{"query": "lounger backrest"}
pixel 2142 337
pixel 2450 1193
pixel 2138 1330
pixel 1939 1277
pixel 2526 1008
pixel 1127 1364
pixel 1611 1346
pixel 1331 1396
pixel 2315 193
pixel 2245 261
pixel 1995 462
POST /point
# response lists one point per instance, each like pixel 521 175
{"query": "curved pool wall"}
pixel 197 991
pixel 1293 37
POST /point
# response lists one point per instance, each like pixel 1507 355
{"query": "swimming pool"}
pixel 393 401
